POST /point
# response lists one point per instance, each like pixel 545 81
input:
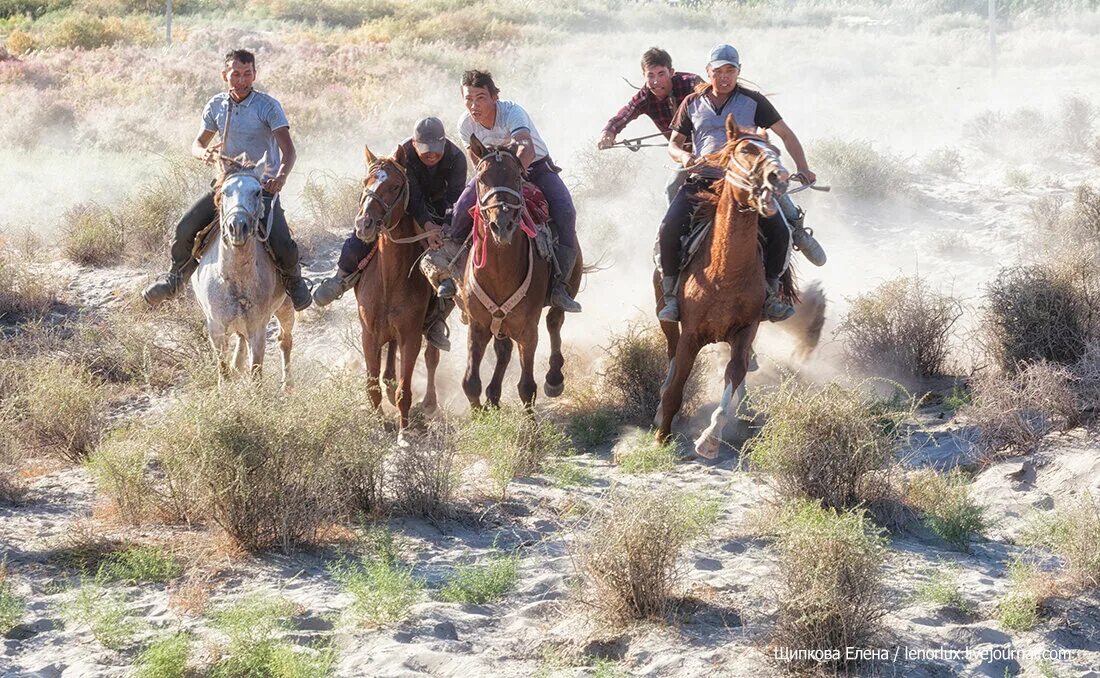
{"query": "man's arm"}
pixel 199 147
pixel 620 120
pixel 676 150
pixel 794 147
pixel 289 157
pixel 526 151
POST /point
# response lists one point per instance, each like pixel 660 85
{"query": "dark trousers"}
pixel 353 251
pixel 562 211
pixel 677 223
pixel 200 215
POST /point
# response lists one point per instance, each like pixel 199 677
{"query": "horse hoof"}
pixel 552 390
pixel 707 448
pixel 401 441
pixel 428 407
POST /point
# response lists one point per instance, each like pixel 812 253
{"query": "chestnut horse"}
pixel 723 288
pixel 505 283
pixel 392 296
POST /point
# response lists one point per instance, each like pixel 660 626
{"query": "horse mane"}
pixel 228 167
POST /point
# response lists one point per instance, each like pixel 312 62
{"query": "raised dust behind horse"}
pixel 723 287
pixel 392 302
pixel 506 284
pixel 236 283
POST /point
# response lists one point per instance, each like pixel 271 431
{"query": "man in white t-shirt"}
pixel 499 123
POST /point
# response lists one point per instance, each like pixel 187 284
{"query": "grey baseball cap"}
pixel 722 55
pixel 429 136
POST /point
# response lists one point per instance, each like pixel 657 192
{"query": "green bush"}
pixel 382 590
pixel 513 442
pixel 644 454
pixel 164 658
pixel 139 564
pixel 104 614
pixel 946 507
pixel 12 607
pixel 486 581
pixel 253 626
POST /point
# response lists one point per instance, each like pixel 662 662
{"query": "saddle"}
pixel 702 220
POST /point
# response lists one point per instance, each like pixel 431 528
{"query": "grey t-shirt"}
pixel 252 125
pixel 698 119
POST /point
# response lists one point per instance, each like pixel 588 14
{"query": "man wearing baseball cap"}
pixel 437 175
pixel 702 119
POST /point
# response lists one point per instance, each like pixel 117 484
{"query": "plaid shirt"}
pixel 661 112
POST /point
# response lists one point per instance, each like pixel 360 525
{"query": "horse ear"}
pixel 732 129
pixel 371 158
pixel 477 147
pixel 399 156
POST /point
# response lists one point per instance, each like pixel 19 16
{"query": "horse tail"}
pixel 788 288
pixel 808 320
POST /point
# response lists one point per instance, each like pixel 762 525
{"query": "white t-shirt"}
pixel 511 118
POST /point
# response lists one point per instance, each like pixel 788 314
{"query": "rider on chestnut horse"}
pixel 437 175
pixel 497 123
pixel 702 117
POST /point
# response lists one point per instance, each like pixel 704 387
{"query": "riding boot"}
pixel 165 289
pixel 560 298
pixel 437 333
pixel 671 312
pixel 775 309
pixel 333 288
pixel 297 288
pixel 801 237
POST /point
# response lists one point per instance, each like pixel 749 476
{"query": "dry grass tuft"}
pixel 423 477
pixel 830 593
pixel 92 236
pixel 634 371
pixel 1071 533
pixel 629 553
pixel 23 293
pixel 901 328
pixel 59 408
pixel 857 169
pixel 826 442
pixel 513 442
pixel 1014 411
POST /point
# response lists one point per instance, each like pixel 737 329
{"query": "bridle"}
pixel 745 177
pixel 402 199
pixel 253 216
pixel 485 200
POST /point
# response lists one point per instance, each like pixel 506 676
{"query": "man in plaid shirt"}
pixel 659 99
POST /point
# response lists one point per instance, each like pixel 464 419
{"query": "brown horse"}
pixel 392 296
pixel 505 284
pixel 723 288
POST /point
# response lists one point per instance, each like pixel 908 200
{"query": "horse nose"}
pixel 778 179
pixel 238 231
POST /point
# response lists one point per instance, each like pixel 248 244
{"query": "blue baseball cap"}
pixel 723 55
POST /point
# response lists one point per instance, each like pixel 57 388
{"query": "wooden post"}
pixel 168 22
pixel 993 38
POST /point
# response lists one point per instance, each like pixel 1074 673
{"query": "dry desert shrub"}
pixel 92 236
pixel 513 443
pixel 901 328
pixel 1073 534
pixel 634 370
pixel 58 407
pixel 269 468
pixel 331 203
pixel 1013 411
pixel 148 216
pixel 1046 311
pixel 827 443
pixel 629 553
pixel 830 592
pixel 859 170
pixel 23 293
pixel 423 476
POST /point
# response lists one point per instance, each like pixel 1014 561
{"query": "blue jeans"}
pixel 562 212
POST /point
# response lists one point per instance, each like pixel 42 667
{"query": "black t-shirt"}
pixel 433 191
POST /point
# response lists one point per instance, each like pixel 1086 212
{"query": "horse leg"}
pixel 672 391
pixel 390 378
pixel 527 385
pixel 706 445
pixel 257 345
pixel 219 341
pixel 285 315
pixel 410 351
pixel 240 354
pixel 372 356
pixel 554 384
pixel 471 381
pixel 430 403
pixel 503 350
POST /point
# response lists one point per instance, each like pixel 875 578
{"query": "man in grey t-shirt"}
pixel 253 124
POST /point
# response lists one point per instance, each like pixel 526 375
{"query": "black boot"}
pixel 297 289
pixel 163 290
pixel 560 298
pixel 436 331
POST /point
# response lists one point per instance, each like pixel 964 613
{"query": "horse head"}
pixel 499 181
pixel 385 194
pixel 240 199
pixel 753 169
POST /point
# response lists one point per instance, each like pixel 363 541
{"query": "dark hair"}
pixel 241 55
pixel 483 79
pixel 655 56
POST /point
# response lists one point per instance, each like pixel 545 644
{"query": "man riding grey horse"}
pixel 250 123
pixel 437 176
